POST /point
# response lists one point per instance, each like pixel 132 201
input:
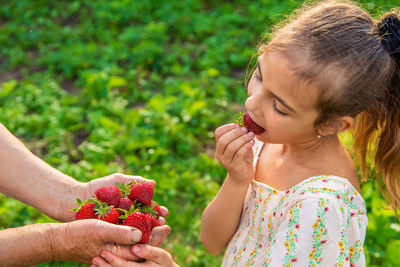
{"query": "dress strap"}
pixel 258 145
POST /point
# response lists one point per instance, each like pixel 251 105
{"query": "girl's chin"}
pixel 262 137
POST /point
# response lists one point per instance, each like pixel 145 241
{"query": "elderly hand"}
pixel 158 235
pixel 124 253
pixel 83 240
pixel 87 190
pixel 91 187
pixel 150 257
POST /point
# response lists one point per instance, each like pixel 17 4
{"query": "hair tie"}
pixel 389 30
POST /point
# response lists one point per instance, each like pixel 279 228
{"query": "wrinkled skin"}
pixel 83 240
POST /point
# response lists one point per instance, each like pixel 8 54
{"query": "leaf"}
pixel 116 81
pixel 7 87
pixel 392 252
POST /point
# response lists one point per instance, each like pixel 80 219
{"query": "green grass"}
pixel 138 87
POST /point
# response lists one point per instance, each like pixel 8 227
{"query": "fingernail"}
pixel 251 134
pixel 244 129
pixel 136 249
pixel 237 125
pixel 136 236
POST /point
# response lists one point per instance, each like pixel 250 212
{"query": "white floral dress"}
pixel 319 222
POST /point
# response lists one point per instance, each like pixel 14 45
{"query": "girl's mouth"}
pixel 251 125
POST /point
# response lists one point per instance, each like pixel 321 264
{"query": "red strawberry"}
pixel 125 204
pixel 251 125
pixel 86 212
pixel 142 192
pixel 140 221
pixel 156 208
pixel 109 194
pixel 108 214
pixel 154 221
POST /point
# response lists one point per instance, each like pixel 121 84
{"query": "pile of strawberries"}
pixel 130 204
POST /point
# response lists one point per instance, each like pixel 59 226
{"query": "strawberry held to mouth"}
pixel 251 126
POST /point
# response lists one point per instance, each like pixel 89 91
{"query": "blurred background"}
pixel 138 87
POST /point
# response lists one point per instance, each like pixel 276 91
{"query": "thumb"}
pixel 120 234
pixel 123 178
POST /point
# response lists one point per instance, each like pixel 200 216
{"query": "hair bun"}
pixel 389 30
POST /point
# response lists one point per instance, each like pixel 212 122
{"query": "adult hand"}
pixel 91 187
pixel 151 257
pixel 83 240
pixel 158 235
pixel 234 151
pixel 87 190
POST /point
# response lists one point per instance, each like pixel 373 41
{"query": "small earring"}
pixel 318 136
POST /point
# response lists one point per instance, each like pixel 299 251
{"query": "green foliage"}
pixel 138 87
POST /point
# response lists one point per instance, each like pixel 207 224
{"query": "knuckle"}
pixel 117 175
pixel 222 142
pixel 245 138
pixel 216 133
pixel 139 178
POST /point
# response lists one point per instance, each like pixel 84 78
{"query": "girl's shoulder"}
pixel 335 188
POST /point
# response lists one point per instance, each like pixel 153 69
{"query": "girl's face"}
pixel 280 103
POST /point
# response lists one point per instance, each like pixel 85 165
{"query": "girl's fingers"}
pixel 113 260
pixel 157 255
pixel 121 251
pixel 231 151
pixel 99 262
pixel 227 138
pixel 220 131
pixel 245 152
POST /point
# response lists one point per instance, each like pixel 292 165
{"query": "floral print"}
pixel 319 222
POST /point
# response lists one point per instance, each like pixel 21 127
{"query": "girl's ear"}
pixel 336 125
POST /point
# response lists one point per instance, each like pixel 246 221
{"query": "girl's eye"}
pixel 277 110
pixel 257 76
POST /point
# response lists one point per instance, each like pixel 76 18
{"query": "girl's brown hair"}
pixel 336 46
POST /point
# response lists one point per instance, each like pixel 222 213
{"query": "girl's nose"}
pixel 249 104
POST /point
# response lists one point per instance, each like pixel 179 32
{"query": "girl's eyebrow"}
pixel 283 102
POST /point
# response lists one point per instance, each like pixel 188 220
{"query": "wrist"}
pixel 238 182
pixel 56 233
pixel 67 201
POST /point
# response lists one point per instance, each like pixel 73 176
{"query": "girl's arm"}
pixel 221 217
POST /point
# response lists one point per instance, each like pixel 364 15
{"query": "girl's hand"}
pixel 234 151
pixel 150 257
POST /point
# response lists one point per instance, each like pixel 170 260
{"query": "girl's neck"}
pixel 311 149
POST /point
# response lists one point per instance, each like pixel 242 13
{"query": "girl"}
pixel 294 199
